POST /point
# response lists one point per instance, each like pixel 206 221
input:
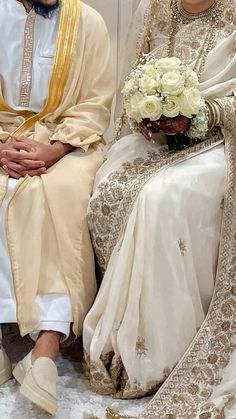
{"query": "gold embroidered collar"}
pixel 69 16
pixel 184 17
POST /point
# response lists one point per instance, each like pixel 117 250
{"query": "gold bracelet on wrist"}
pixel 215 117
pixel 210 115
pixel 219 111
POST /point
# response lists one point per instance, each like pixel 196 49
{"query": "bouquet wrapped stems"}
pixel 178 142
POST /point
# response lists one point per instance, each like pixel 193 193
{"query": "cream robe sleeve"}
pixel 86 121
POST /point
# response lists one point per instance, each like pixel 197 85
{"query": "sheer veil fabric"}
pixel 127 56
pixel 203 384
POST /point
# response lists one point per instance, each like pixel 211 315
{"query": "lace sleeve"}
pixel 219 110
pixel 226 105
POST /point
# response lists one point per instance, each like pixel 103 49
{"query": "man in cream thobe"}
pixel 55 98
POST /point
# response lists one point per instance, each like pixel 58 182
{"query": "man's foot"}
pixel 22 368
pixel 5 367
pixel 40 385
pixel 37 372
pixel 38 381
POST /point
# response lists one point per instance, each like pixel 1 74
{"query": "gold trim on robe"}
pixel 66 41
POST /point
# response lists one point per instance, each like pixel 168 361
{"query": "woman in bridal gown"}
pixel 163 227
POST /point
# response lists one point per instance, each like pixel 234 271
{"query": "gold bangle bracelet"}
pixel 219 112
pixel 215 115
pixel 210 114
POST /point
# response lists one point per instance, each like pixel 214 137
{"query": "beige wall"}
pixel 118 16
pixel 109 10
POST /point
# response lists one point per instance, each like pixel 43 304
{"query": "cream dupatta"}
pixel 193 390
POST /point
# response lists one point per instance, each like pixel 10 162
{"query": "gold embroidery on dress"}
pixel 27 62
pixel 141 348
pixel 119 191
pixel 102 380
pixel 182 246
pixel 222 204
pixel 189 38
pixel 232 49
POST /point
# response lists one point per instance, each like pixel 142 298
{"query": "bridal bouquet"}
pixel 162 89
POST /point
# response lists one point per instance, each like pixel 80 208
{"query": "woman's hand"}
pixel 169 126
pixel 176 125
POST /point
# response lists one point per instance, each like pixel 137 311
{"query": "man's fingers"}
pixel 11 173
pixel 32 164
pixel 146 133
pixel 23 165
pixel 22 146
pixel 14 166
pixel 18 155
pixel 37 172
pixel 9 169
pixel 23 139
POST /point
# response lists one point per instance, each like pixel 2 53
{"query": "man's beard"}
pixel 41 9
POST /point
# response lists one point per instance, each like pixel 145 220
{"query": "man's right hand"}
pixel 20 169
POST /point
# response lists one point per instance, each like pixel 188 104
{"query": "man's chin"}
pixel 44 8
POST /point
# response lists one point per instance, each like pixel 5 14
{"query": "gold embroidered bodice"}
pixel 190 37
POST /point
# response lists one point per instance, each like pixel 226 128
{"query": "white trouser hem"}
pixel 55 310
pixel 55 326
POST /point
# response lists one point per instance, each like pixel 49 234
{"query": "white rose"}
pixel 132 107
pixel 149 70
pixel 172 83
pixel 150 107
pixel 171 107
pixel 149 85
pixel 190 102
pixel 191 78
pixel 164 65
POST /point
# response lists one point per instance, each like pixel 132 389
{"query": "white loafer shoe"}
pixel 40 384
pixel 22 368
pixel 5 367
